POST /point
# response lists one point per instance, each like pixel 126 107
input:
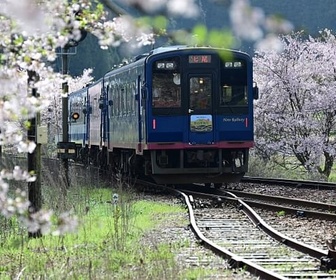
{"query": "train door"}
pixel 200 108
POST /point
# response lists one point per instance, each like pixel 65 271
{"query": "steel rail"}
pixel 258 221
pixel 287 182
pixel 289 200
pixel 288 210
pixel 295 244
pixel 294 211
pixel 234 259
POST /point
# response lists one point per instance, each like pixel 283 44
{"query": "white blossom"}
pixel 295 114
pixel 31 31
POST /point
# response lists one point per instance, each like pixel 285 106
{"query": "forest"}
pixel 308 15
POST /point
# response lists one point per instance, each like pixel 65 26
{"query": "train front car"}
pixel 200 115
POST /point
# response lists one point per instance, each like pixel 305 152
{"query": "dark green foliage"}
pixel 308 15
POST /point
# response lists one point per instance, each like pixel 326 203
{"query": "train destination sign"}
pixel 199 58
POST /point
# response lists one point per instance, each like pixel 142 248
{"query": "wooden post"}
pixel 34 159
pixel 65 114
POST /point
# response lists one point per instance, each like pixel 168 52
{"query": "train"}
pixel 176 115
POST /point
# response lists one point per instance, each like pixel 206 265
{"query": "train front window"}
pixel 166 92
pixel 200 92
pixel 233 95
pixel 166 85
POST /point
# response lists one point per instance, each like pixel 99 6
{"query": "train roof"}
pixel 183 48
pixel 187 48
pixel 139 60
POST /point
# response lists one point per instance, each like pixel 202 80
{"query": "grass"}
pixel 107 245
pixel 106 242
pixel 268 168
pixel 281 213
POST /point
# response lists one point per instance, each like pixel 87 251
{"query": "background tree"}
pixel 32 31
pixel 296 114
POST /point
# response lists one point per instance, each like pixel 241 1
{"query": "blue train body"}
pixel 177 114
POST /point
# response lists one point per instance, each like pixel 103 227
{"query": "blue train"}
pixel 176 114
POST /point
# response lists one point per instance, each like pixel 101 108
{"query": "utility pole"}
pixel 65 147
pixel 65 114
pixel 34 158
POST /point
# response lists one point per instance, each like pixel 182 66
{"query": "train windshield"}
pixel 233 89
pixel 233 95
pixel 166 93
pixel 200 92
pixel 166 87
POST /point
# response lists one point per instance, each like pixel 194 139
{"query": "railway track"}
pixel 232 229
pixel 236 232
pixel 289 182
pixel 292 206
pixel 247 241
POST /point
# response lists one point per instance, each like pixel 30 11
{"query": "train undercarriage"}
pixel 186 166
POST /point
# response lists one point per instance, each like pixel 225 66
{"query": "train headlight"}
pixel 237 64
pixel 160 65
pixel 170 65
pixel 167 65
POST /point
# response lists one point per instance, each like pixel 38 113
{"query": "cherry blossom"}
pixel 252 24
pixel 295 116
pixel 31 31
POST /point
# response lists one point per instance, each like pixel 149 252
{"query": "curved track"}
pixel 247 241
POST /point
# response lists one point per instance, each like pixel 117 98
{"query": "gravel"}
pixel 194 256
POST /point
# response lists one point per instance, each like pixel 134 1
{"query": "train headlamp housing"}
pixel 165 65
pixel 170 65
pixel 160 65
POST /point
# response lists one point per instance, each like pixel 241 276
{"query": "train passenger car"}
pixel 178 114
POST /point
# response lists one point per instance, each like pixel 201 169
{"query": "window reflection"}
pixel 233 95
pixel 200 92
pixel 166 90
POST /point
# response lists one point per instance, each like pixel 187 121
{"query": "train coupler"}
pixel 329 262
